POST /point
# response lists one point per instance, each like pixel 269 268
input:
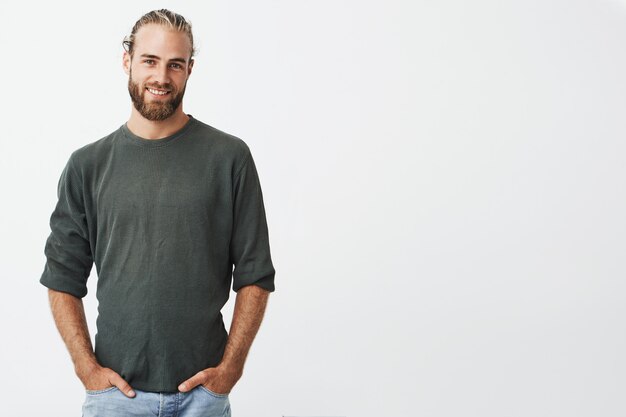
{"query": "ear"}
pixel 126 62
pixel 191 61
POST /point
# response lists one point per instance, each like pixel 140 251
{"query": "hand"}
pixel 220 380
pixel 98 377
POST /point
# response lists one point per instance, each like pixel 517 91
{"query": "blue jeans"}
pixel 199 402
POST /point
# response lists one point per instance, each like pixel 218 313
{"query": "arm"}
pixel 253 280
pixel 68 265
pixel 69 315
pixel 249 310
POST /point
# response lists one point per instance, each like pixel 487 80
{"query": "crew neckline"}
pixel 154 143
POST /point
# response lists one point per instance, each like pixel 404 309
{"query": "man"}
pixel 164 206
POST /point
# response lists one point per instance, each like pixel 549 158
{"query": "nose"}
pixel 161 75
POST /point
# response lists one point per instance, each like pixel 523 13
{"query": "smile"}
pixel 157 92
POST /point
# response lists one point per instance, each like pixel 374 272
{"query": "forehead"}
pixel 155 39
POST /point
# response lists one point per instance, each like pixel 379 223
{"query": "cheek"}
pixel 180 85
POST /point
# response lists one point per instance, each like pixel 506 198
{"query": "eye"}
pixel 178 66
pixel 147 61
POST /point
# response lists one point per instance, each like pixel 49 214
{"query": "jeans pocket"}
pixel 100 391
pixel 214 394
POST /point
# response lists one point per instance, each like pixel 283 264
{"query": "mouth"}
pixel 157 93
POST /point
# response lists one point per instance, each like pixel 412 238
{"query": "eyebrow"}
pixel 182 60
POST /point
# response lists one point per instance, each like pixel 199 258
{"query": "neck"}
pixel 149 129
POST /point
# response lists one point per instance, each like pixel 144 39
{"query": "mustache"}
pixel 168 87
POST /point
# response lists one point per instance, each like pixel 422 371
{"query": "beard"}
pixel 155 110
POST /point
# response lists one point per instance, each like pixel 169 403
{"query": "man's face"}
pixel 158 73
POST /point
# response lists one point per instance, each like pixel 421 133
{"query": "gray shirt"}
pixel 164 221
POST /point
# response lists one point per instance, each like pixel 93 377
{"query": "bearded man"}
pixel 165 206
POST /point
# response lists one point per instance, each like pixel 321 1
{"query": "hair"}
pixel 164 17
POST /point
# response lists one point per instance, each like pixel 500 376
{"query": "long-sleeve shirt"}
pixel 164 221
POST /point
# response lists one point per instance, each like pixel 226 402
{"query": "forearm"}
pixel 249 310
pixel 69 316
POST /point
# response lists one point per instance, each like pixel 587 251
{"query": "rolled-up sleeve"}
pixel 249 248
pixel 68 253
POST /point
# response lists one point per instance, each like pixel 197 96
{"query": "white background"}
pixel 443 181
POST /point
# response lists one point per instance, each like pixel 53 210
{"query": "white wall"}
pixel 444 184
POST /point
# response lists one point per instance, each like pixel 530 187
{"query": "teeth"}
pixel 157 92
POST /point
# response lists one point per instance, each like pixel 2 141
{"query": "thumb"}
pixel 118 381
pixel 192 382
